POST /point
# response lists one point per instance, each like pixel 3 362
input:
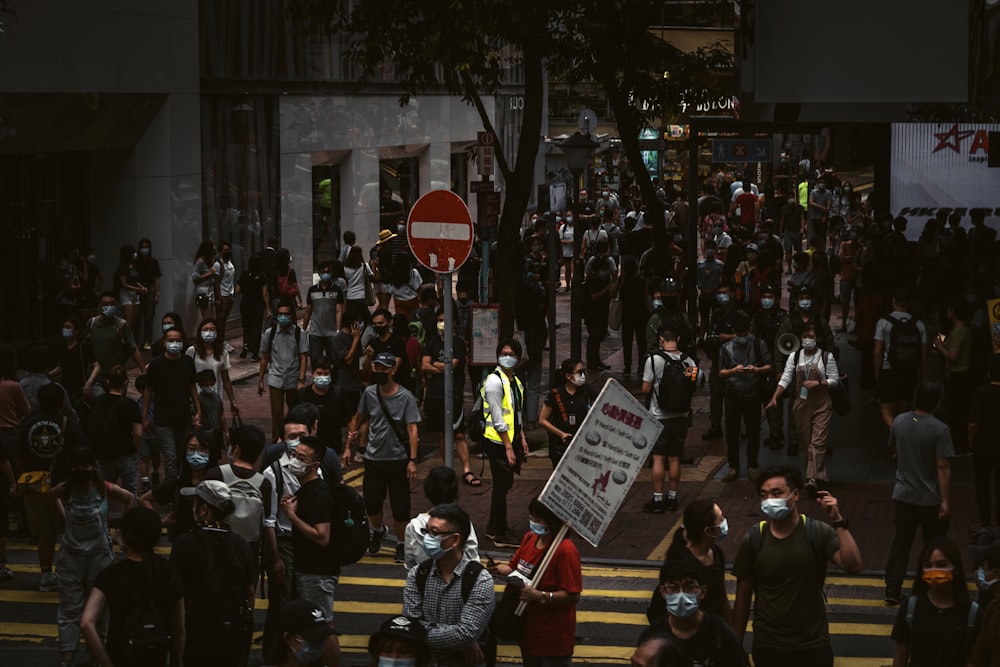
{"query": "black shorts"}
pixel 896 385
pixel 434 416
pixel 382 477
pixel 671 440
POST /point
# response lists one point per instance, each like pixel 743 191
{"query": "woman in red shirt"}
pixel 550 618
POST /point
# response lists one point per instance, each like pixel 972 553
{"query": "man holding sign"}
pixel 669 378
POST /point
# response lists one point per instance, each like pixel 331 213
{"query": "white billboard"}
pixel 601 463
pixel 939 166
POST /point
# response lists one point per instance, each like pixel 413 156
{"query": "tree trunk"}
pixel 626 120
pixel 510 252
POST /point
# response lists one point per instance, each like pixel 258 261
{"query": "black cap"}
pixel 305 618
pixel 805 289
pixel 406 628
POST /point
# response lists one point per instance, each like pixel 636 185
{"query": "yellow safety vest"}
pixel 506 407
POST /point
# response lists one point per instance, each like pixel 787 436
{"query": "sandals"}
pixel 470 479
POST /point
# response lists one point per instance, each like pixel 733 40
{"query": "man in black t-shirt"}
pixel 432 364
pixel 385 341
pixel 311 512
pixel 171 381
pixel 115 430
pixel 326 398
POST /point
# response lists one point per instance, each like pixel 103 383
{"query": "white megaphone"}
pixel 788 343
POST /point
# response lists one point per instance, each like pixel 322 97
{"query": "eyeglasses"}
pixel 687 587
pixel 436 533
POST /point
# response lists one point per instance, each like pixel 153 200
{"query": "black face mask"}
pixel 380 378
pixel 380 331
pixel 81 476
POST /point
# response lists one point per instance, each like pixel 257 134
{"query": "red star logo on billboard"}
pixel 952 138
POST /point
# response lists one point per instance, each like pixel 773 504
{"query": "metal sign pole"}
pixel 449 384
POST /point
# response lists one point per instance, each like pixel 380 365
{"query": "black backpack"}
pixel 148 637
pixel 104 429
pixel 904 343
pixel 675 389
pixel 227 620
pixel 349 536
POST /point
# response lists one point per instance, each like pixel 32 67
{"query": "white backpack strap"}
pixel 228 476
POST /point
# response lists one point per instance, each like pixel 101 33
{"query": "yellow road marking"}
pixel 659 552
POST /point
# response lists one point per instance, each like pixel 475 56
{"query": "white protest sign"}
pixel 602 462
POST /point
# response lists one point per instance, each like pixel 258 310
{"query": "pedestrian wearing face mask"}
pixel 709 278
pixel 278 556
pixel 565 406
pixel 781 566
pixel 503 438
pixel 208 353
pixel 565 229
pixel 703 637
pixel 744 363
pixel 764 326
pixel 172 382
pixel 307 637
pixel 327 400
pixel 324 308
pixel 720 331
pixel 400 642
pixel 696 546
pixel 550 616
pixel 986 651
pixel 85 546
pixel 148 268
pixel 809 374
pixel 456 612
pixel 110 338
pixel 390 456
pixel 225 290
pixel 310 511
pixel 198 456
pixel 820 203
pixel 283 353
pixel 939 623
pixel 218 572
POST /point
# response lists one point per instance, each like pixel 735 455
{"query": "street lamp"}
pixel 577 149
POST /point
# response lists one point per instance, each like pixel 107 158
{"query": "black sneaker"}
pixel 655 507
pixel 244 352
pixel 376 540
pixel 399 557
pixel 893 596
pixel 671 504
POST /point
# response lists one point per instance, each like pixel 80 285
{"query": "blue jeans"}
pixel 125 468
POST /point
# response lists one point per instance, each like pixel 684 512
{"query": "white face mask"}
pixel 507 361
pixel 579 379
pixel 775 508
pixel 808 343
pixel 209 336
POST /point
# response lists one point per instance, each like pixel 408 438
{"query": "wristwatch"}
pixel 843 523
pixel 413 460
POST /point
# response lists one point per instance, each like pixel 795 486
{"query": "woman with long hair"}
pixel 197 458
pixel 149 277
pixel 550 617
pixel 85 545
pixel 209 353
pixel 130 290
pixel 356 274
pixel 565 406
pixel 141 584
pixel 956 349
pixel 938 623
pixel 404 284
pixel 696 543
pixel 809 374
pixel 204 277
pixel 13 408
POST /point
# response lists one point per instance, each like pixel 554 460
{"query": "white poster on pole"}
pixel 602 462
pixel 942 166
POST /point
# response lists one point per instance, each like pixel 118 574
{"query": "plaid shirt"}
pixel 452 625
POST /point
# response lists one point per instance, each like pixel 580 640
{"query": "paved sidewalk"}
pixel 861 472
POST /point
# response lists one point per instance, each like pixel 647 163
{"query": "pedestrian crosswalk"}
pixel 610 616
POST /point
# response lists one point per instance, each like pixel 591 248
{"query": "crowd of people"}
pixel 358 383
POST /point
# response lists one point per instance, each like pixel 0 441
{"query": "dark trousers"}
pixel 906 518
pixel 147 311
pixel 597 331
pixel 817 657
pixel 253 323
pixel 633 331
pixel 278 593
pixel 503 481
pixel 987 468
pixel 747 410
pixel 716 390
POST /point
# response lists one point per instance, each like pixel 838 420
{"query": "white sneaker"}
pixel 228 347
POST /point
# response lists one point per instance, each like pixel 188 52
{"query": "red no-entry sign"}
pixel 439 231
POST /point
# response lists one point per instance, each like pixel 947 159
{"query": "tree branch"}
pixel 473 94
